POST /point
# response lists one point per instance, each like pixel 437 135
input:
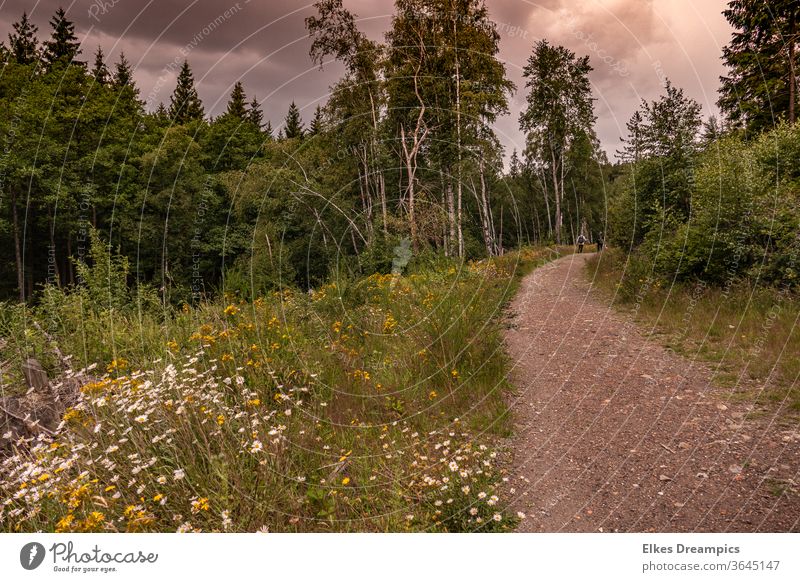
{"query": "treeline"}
pixel 403 149
pixel 718 201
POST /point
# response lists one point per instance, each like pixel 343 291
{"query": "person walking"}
pixel 581 241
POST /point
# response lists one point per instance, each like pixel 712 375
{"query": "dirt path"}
pixel 615 433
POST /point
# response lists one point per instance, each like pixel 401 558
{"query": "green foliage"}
pixel 411 362
pixel 184 104
pixel 760 88
pixel 293 124
pixel 744 212
pixel 103 276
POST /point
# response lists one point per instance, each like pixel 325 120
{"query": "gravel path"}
pixel 615 433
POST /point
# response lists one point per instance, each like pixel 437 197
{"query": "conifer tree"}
pixel 63 45
pixel 761 85
pixel 293 126
pixel 237 106
pixel 255 115
pixel 100 70
pixel 23 44
pixel 123 73
pixel 185 104
pixel 316 123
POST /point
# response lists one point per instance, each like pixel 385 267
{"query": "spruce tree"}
pixel 255 115
pixel 761 85
pixel 268 129
pixel 23 44
pixel 293 126
pixel 184 104
pixel 123 73
pixel 316 124
pixel 63 45
pixel 100 70
pixel 237 105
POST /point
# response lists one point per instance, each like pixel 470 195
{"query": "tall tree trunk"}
pixel 543 182
pixel 458 137
pixel 382 193
pixel 792 73
pixel 451 214
pixel 53 276
pixel 557 197
pixel 18 248
pixel 486 220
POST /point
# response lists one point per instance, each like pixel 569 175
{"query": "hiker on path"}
pixel 581 242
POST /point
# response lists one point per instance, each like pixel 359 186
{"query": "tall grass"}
pixel 366 405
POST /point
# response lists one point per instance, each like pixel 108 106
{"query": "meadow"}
pixel 368 404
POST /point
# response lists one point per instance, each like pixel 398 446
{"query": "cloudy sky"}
pixel 633 46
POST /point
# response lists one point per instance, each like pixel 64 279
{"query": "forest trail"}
pixel 615 433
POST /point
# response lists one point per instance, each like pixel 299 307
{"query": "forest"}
pixel 403 149
pixel 213 283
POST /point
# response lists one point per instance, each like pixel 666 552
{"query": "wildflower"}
pixel 161 480
pixel 226 518
pixel 142 418
pixel 453 466
pixel 93 520
pixel 256 447
pixel 481 495
pixel 346 480
pixel 200 504
pixel 65 523
pixel 178 474
pixel 454 373
pixel 465 489
pixel 521 515
pixel 492 500
pixel 432 395
pixel 231 310
pixel 473 511
pixel 497 517
pixel 263 529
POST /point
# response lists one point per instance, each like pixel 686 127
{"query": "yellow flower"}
pixel 346 480
pixel 432 395
pixel 389 324
pixel 220 419
pixel 65 523
pixel 231 310
pixel 173 345
pixel 158 497
pixel 227 357
pixel 200 504
pixel 454 373
pixel 117 364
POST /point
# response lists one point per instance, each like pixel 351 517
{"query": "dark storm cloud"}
pixel 632 45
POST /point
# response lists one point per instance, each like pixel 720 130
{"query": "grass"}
pixel 748 331
pixel 367 405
